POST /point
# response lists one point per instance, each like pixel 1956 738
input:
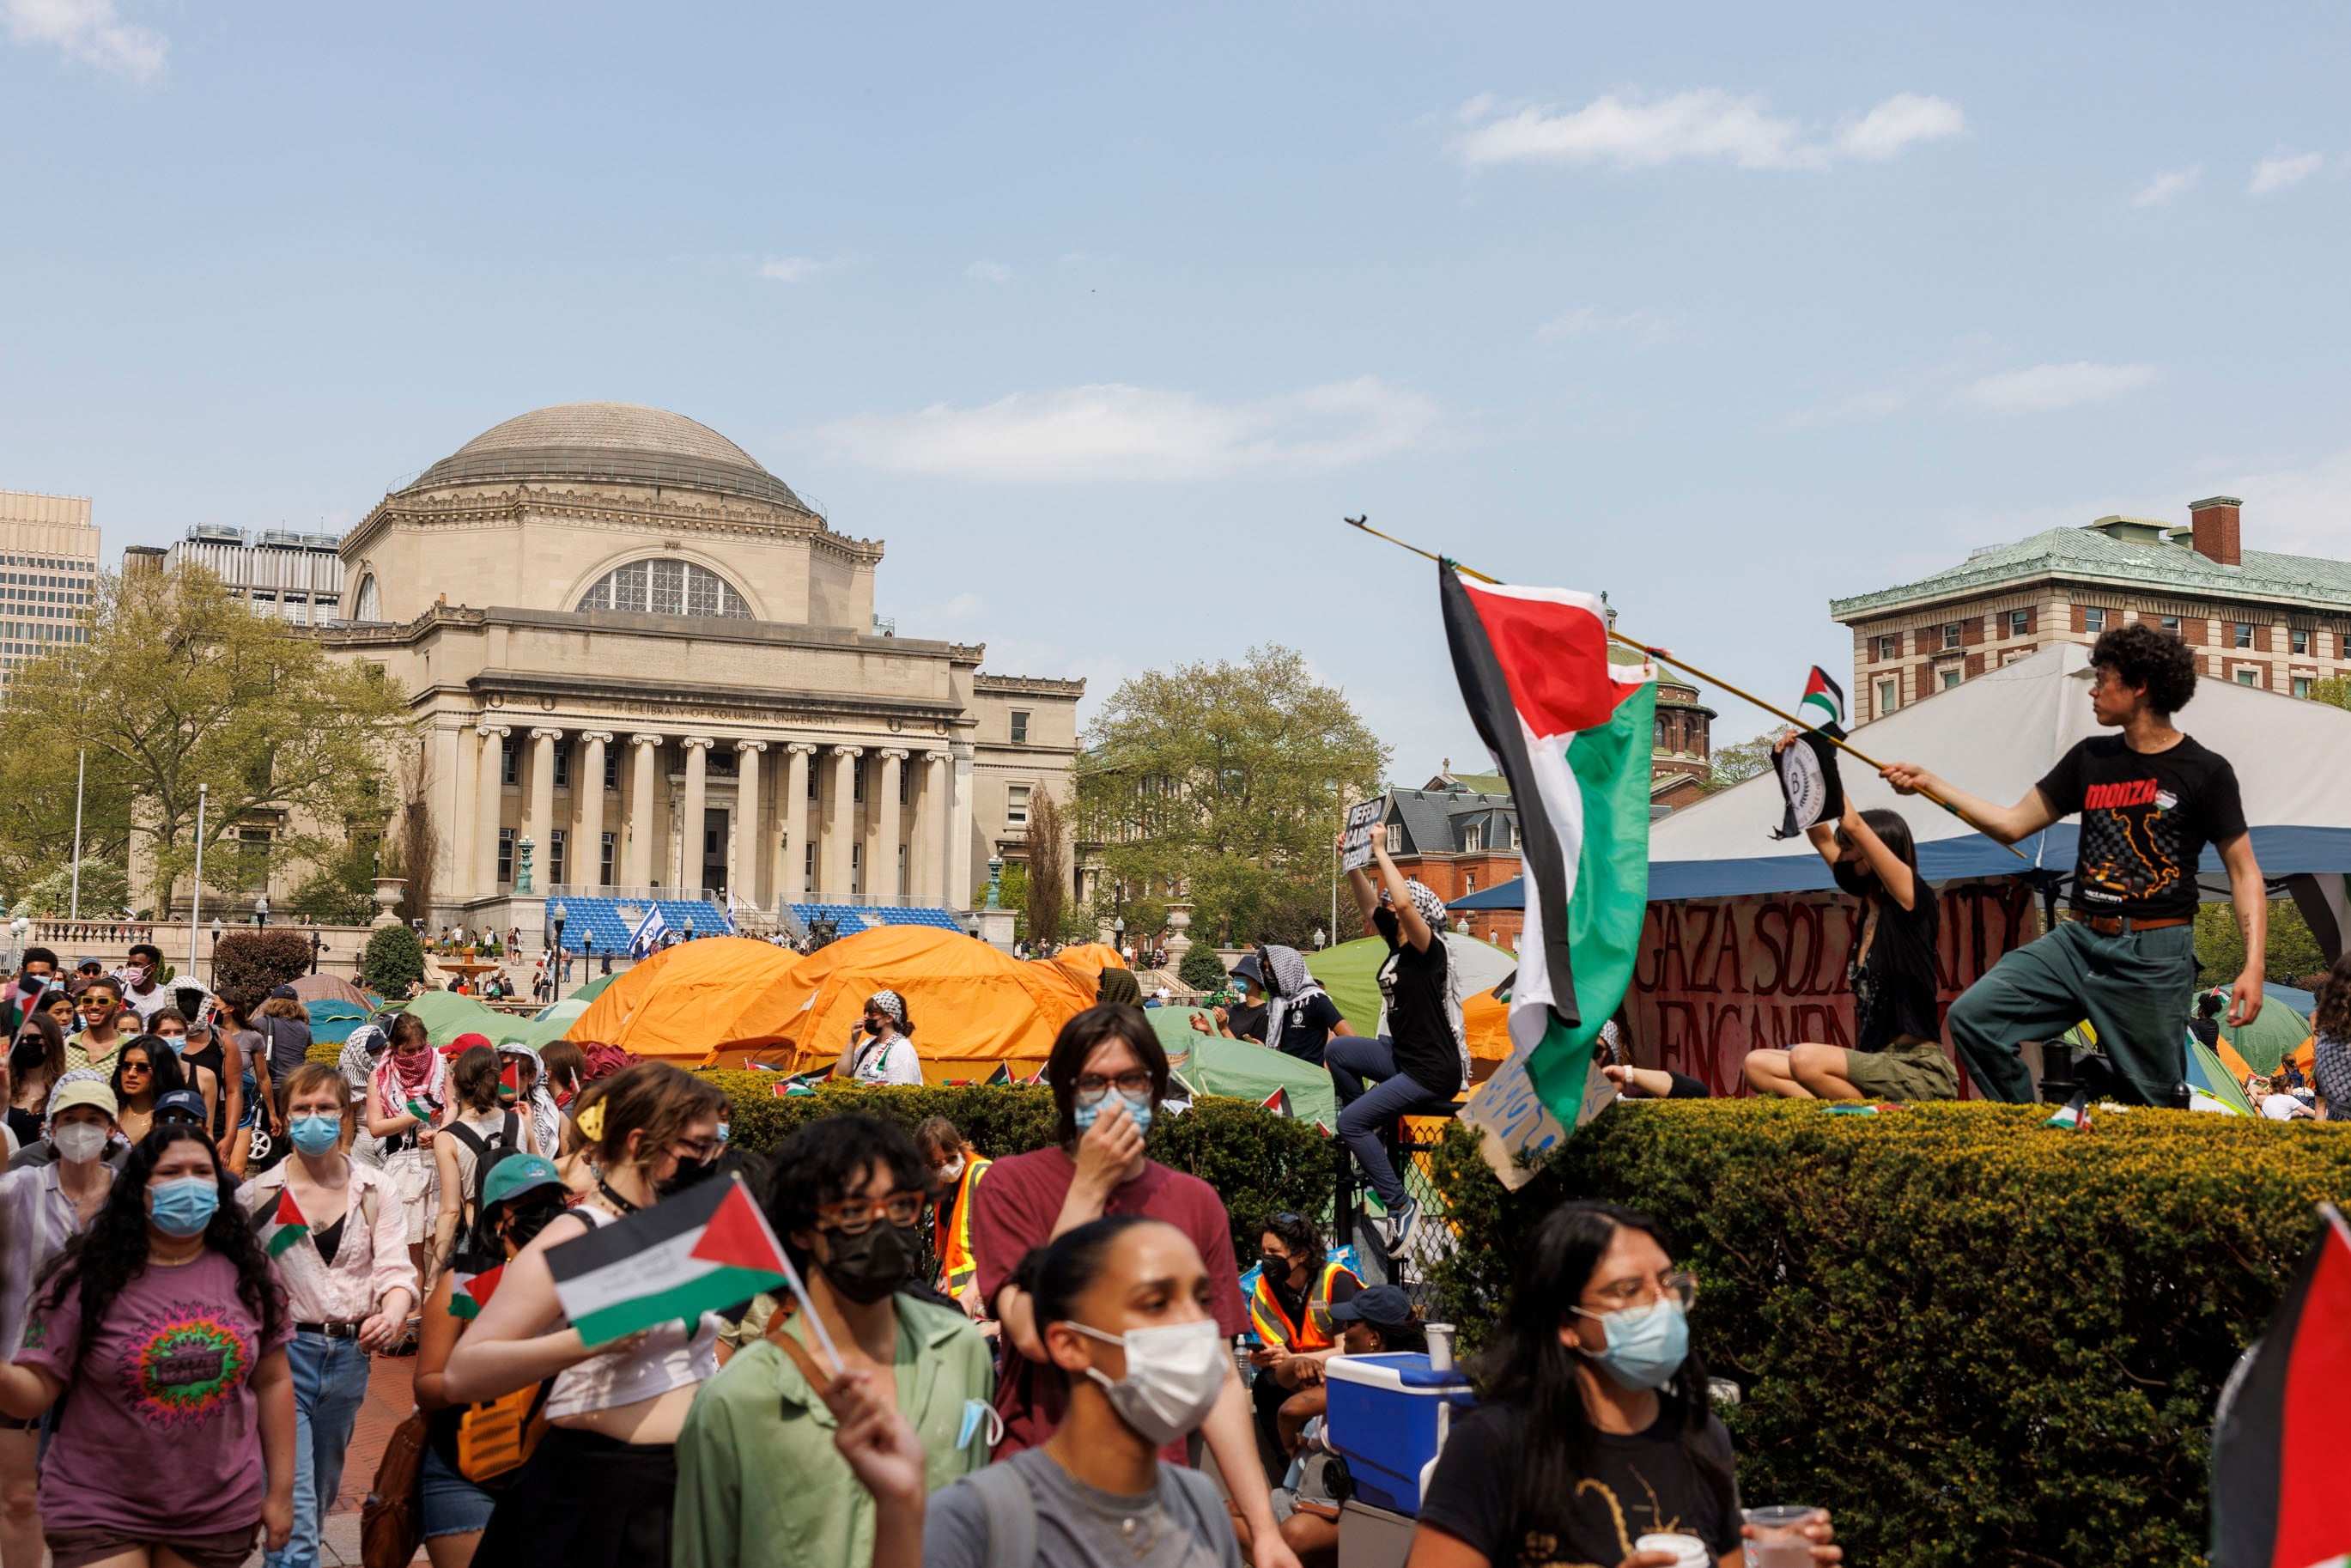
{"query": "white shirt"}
pixel 890 1061
pixel 40 1221
pixel 666 1358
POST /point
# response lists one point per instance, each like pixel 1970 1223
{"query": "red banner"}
pixel 1718 978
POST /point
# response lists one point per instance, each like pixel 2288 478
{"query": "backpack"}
pixel 496 1436
pixel 506 1140
pixel 1012 1510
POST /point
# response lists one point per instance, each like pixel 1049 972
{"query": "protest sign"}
pixel 1355 849
pixel 1515 1129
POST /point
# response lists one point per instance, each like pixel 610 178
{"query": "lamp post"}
pixel 557 913
pixel 995 882
pixel 216 937
pixel 1118 934
pixel 261 910
pixel 586 950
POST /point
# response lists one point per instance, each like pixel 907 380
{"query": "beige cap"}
pixel 83 1092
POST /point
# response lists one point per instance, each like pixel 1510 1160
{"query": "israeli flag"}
pixel 649 932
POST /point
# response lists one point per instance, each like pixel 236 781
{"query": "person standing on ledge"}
pixel 2150 799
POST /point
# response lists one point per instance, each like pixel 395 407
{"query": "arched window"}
pixel 666 588
pixel 370 608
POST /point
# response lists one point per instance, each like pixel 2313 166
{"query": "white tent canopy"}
pixel 1996 737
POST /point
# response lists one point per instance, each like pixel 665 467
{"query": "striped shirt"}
pixel 40 1221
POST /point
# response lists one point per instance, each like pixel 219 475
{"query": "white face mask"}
pixel 1174 1376
pixel 952 1170
pixel 78 1142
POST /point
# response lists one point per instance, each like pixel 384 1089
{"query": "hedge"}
pixel 1977 1339
pixel 247 964
pixel 393 961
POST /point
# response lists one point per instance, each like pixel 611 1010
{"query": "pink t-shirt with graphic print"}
pixel 164 1393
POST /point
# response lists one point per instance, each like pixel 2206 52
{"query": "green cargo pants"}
pixel 2134 989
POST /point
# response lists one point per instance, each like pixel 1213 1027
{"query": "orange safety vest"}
pixel 957 1265
pixel 1273 1325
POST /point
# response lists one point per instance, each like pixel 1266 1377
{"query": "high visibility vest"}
pixel 1273 1325
pixel 952 1234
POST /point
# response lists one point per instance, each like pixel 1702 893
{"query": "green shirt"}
pixel 759 1484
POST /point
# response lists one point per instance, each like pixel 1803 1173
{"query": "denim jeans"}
pixel 1364 1108
pixel 330 1382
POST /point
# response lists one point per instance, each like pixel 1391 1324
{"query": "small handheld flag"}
pixel 1809 784
pixel 2074 1117
pixel 470 1292
pixel 510 1081
pixel 1003 1074
pixel 1278 1102
pixel 707 1248
pixel 1823 702
pixel 281 1225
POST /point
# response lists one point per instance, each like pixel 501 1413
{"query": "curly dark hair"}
pixel 820 1163
pixel 112 1252
pixel 2331 1018
pixel 2152 660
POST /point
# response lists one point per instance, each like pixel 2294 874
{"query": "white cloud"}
pixel 1645 327
pixel 989 272
pixel 793 268
pixel 89 32
pixel 2281 169
pixel 2045 387
pixel 1115 432
pixel 1637 132
pixel 2160 190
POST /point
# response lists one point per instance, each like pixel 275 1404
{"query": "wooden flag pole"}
pixel 1665 658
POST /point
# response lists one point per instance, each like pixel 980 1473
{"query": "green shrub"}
pixel 1259 1163
pixel 1977 1339
pixel 246 964
pixel 1201 969
pixel 393 961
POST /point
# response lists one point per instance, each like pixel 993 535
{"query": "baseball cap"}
pixel 518 1173
pixel 184 1102
pixel 467 1041
pixel 284 992
pixel 1382 1306
pixel 84 1092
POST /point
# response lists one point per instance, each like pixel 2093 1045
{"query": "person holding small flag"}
pixel 404 1102
pixel 340 1245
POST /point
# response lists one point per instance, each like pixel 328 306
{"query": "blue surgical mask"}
pixel 184 1207
pixel 1138 1108
pixel 179 1043
pixel 1647 1346
pixel 317 1135
pixel 723 1130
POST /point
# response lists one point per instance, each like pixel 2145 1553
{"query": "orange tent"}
pixel 1085 964
pixel 692 998
pixel 1486 1021
pixel 971 1006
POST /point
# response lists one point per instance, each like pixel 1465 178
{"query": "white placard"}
pixel 1355 849
pixel 1512 1121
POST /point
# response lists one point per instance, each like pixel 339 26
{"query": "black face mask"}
pixel 689 1173
pixel 1853 879
pixel 871 1265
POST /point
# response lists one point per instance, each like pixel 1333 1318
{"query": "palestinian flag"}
pixel 789 1089
pixel 2281 1438
pixel 1278 1102
pixel 709 1247
pixel 470 1292
pixel 1822 707
pixel 1573 731
pixel 420 1109
pixel 1036 1078
pixel 510 1081
pixel 2074 1117
pixel 281 1225
pixel 1003 1074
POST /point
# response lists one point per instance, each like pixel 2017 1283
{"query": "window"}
pixel 2020 621
pixel 2171 624
pixel 2301 641
pixel 856 870
pixel 2302 685
pixel 813 772
pixel 506 855
pixel 906 783
pixel 1473 839
pixel 604 866
pixel 2244 633
pixel 1951 635
pixel 808 866
pixel 1889 696
pixel 1951 678
pixel 612 771
pixel 1889 646
pixel 509 756
pixel 1472 881
pixel 2248 677
pixel 666 588
pixel 901 889
pixel 2094 619
pixel 857 778
pixel 562 769
pixel 1016 806
pixel 558 860
pixel 1020 728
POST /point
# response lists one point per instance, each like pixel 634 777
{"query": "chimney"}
pixel 2213 529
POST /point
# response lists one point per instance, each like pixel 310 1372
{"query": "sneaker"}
pixel 1400 1223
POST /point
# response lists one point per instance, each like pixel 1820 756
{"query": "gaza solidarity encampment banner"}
pixel 1717 978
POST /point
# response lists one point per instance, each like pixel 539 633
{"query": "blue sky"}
pixel 1103 320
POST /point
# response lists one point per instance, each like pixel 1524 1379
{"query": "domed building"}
pixel 644 666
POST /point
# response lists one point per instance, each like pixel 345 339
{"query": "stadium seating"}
pixel 612 921
pixel 849 919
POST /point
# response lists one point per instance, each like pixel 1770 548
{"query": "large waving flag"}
pixel 1573 732
pixel 649 932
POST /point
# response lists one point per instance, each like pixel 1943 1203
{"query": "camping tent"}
pixel 594 989
pixel 1213 1064
pixel 692 999
pixel 448 1015
pixel 1348 972
pixel 318 987
pixel 332 1020
pixel 1084 965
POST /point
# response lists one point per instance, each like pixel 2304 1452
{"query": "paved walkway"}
pixel 389 1401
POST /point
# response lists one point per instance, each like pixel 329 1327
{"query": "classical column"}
pixel 689 827
pixel 958 844
pixel 794 887
pixel 540 823
pixel 641 810
pixel 881 876
pixel 843 832
pixel 938 782
pixel 445 782
pixel 587 867
pixel 489 781
pixel 749 838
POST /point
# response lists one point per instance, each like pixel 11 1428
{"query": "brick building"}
pixel 2277 622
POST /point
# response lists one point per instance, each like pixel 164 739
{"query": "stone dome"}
pixel 621 442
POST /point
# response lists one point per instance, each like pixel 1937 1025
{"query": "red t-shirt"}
pixel 1013 1209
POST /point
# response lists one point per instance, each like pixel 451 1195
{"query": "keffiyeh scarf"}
pixel 1288 989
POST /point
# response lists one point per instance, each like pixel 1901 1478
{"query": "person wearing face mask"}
pixel 205 1062
pixel 1108 1075
pixel 99 1006
pixel 955 1168
pixel 1128 1313
pixel 405 1101
pixel 342 1254
pixel 35 1064
pixel 170 1026
pixel 845 1197
pixel 34 978
pixel 164 1333
pixel 1290 1311
pixel 43 1207
pixel 886 1054
pixel 598 1490
pixel 1898 1031
pixel 1593 1428
pixel 472 1451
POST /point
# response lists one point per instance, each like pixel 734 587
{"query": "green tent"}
pixel 448 1015
pixel 1243 1069
pixel 2207 1076
pixel 2270 1038
pixel 592 989
pixel 1348 972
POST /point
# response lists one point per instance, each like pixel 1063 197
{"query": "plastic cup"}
pixel 1440 1346
pixel 1780 1540
pixel 1689 1550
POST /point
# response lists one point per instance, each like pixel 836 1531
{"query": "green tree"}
pixel 1201 969
pixel 1225 782
pixel 1737 763
pixel 2291 953
pixel 2335 690
pixel 182 691
pixel 1045 885
pixel 394 960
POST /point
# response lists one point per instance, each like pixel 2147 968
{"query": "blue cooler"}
pixel 1388 1416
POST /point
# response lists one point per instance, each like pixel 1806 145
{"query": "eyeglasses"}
pixel 855 1216
pixel 1093 1086
pixel 1641 1293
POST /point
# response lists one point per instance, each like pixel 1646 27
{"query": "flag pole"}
pixel 1665 658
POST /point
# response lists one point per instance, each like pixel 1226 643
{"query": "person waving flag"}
pixel 1572 730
